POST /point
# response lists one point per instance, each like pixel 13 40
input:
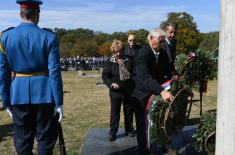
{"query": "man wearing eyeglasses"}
pixel 152 65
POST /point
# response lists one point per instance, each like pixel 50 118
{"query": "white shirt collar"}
pixel 168 41
pixel 154 52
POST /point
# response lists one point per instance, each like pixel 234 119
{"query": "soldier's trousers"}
pixel 32 121
pixel 115 115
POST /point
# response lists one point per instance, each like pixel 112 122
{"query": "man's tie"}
pixel 170 46
pixel 156 57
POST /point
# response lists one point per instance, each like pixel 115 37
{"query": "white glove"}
pixel 8 109
pixel 59 110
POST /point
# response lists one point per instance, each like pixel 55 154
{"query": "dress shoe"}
pixel 130 134
pixel 111 138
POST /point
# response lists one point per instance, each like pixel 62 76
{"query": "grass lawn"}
pixel 86 105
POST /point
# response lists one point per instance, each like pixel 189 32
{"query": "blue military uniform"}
pixel 29 50
pixel 32 54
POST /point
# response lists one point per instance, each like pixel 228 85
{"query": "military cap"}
pixel 39 2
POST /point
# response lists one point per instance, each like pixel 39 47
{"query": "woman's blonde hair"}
pixel 117 45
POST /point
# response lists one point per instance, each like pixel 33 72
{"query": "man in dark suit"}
pixel 169 44
pixel 131 48
pixel 152 69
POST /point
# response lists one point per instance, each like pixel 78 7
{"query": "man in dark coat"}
pixel 169 44
pixel 152 69
pixel 130 51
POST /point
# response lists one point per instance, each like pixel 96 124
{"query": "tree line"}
pixel 87 43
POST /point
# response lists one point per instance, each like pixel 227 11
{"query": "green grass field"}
pixel 86 105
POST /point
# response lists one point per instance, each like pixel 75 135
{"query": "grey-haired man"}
pixel 152 68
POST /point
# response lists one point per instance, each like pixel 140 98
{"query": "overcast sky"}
pixel 114 15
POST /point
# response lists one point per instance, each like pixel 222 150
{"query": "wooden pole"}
pixel 225 127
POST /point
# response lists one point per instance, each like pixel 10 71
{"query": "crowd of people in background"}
pixel 35 98
pixel 82 63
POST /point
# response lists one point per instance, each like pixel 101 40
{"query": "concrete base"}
pixel 96 143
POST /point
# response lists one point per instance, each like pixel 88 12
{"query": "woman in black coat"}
pixel 116 75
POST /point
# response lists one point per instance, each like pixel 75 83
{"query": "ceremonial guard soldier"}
pixel 35 94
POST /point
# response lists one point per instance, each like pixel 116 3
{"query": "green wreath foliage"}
pixel 191 69
pixel 197 66
pixel 167 116
pixel 204 138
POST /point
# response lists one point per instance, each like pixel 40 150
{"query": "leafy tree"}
pixel 119 35
pixel 74 35
pixel 69 38
pixel 104 49
pixel 83 33
pixel 101 37
pixel 188 36
pixel 65 49
pixel 60 32
pixel 140 35
pixel 210 41
pixel 85 47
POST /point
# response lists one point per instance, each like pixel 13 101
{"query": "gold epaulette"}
pixel 2 49
pixel 1 46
